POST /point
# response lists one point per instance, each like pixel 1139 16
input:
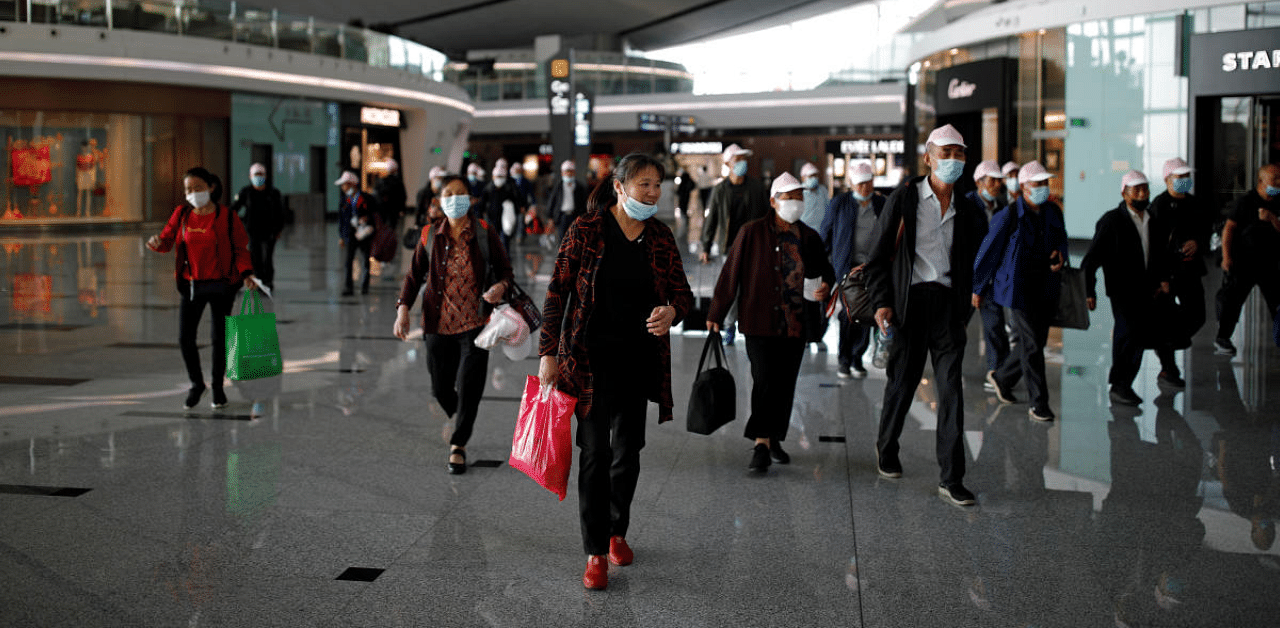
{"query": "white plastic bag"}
pixel 496 330
pixel 508 217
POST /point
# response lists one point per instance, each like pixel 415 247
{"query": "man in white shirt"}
pixel 568 200
pixel 1136 275
pixel 919 276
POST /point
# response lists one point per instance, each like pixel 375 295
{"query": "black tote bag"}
pixel 713 402
pixel 1073 307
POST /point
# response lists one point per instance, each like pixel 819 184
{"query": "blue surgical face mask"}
pixel 258 180
pixel 1011 183
pixel 455 206
pixel 740 169
pixel 638 210
pixel 986 196
pixel 811 183
pixel 861 198
pixel 472 178
pixel 1182 185
pixel 351 191
pixel 1273 191
pixel 948 170
pixel 1040 194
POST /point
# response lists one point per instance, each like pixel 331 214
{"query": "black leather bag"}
pixel 856 298
pixel 1073 308
pixel 713 401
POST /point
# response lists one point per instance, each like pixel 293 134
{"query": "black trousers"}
pixel 363 248
pixel 994 334
pixel 190 310
pixel 775 365
pixel 1189 290
pixel 610 438
pixel 1128 339
pixel 854 340
pixel 1031 330
pixel 262 253
pixel 1236 286
pixel 458 368
pixel 931 326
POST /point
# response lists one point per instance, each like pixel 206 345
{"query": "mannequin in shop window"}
pixel 87 164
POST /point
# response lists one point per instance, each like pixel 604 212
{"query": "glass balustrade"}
pixel 235 22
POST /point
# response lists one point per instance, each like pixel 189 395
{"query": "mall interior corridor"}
pixel 321 497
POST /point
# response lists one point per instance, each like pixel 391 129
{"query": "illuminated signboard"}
pixel 379 117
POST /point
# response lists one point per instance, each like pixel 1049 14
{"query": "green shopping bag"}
pixel 253 347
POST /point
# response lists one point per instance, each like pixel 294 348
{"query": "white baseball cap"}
pixel 348 177
pixel 392 165
pixel 784 183
pixel 808 169
pixel 1008 167
pixel 988 168
pixel 257 169
pixel 733 151
pixel 1175 166
pixel 517 168
pixel 436 172
pixel 1033 171
pixel 1134 177
pixel 946 135
pixel 861 173
pixel 568 165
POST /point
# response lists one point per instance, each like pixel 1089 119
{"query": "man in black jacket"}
pixel 493 200
pixel 567 200
pixel 1128 245
pixel 848 231
pixel 919 276
pixel 1190 223
pixel 391 195
pixel 262 210
pixel 1249 254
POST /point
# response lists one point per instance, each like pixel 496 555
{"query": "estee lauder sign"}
pixel 1235 63
pixel 971 87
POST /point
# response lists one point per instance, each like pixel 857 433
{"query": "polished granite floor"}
pixel 320 498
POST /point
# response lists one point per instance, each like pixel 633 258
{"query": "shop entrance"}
pixel 1243 136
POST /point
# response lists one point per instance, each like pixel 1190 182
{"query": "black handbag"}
pixel 856 298
pixel 1073 307
pixel 521 302
pixel 411 237
pixel 713 401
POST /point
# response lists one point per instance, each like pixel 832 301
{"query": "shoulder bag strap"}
pixel 713 339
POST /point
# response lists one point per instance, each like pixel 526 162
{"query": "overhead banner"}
pixel 560 97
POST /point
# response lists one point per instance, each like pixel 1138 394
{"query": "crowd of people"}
pixel 928 255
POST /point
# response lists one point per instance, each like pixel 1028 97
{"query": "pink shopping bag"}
pixel 543 443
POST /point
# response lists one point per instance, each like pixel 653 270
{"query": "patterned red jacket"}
pixel 566 319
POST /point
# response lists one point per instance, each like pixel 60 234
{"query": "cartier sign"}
pixel 972 87
pixel 957 88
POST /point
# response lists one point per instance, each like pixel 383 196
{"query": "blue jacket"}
pixel 976 197
pixel 1000 271
pixel 359 206
pixel 839 229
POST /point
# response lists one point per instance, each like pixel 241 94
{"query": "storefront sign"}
pixel 583 122
pixel 866 147
pixel 1235 63
pixel 972 86
pixel 697 148
pixel 375 116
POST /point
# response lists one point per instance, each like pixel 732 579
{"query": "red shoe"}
pixel 620 553
pixel 596 577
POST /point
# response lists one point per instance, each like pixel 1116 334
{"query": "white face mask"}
pixel 499 181
pixel 198 199
pixel 790 209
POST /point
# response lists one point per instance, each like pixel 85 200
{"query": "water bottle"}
pixel 884 344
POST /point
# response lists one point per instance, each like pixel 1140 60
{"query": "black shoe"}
pixel 760 458
pixel 1223 346
pixel 843 373
pixel 888 466
pixel 1043 415
pixel 1125 396
pixel 219 399
pixel 957 494
pixel 193 397
pixel 458 468
pixel 775 450
pixel 1171 380
pixel 349 292
pixel 1002 392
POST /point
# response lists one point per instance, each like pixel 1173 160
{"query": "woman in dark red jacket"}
pixel 212 261
pixel 464 266
pixel 617 288
pixel 770 261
